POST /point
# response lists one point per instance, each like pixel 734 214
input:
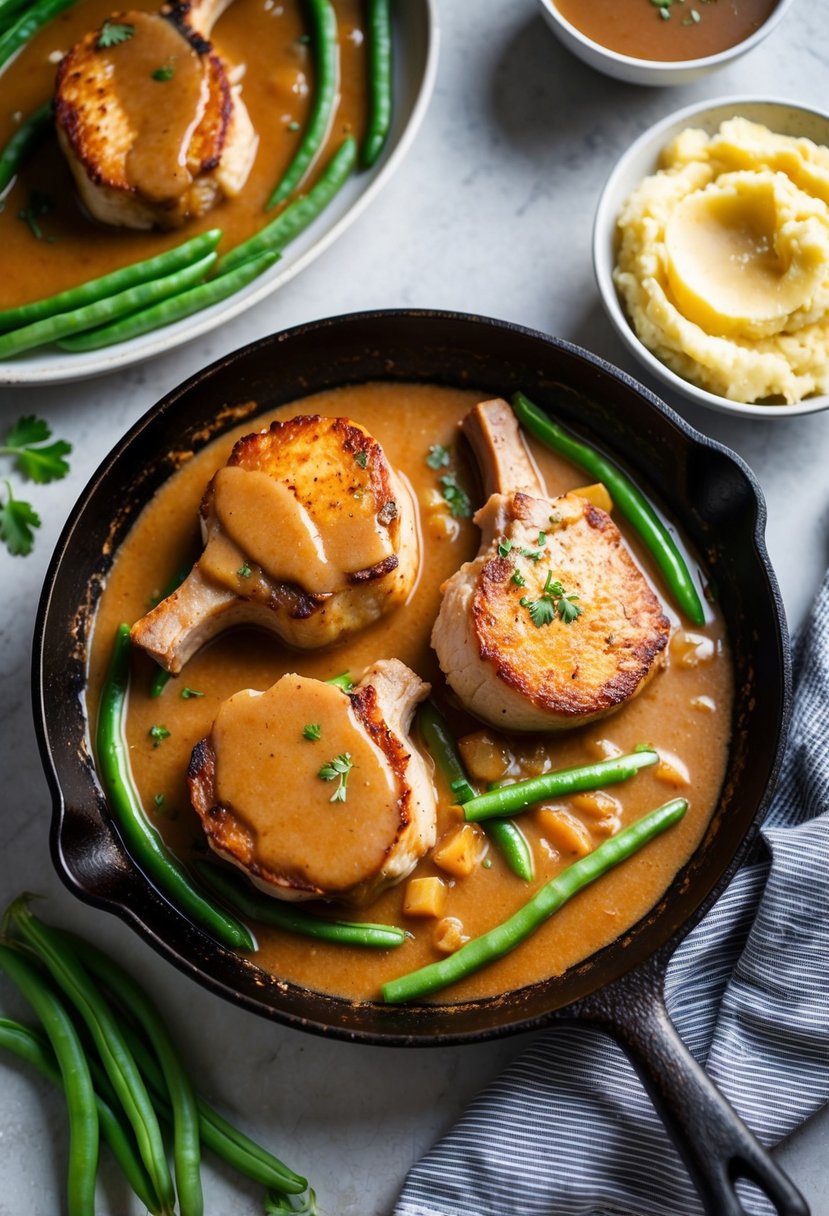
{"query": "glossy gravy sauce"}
pixel 693 29
pixel 684 713
pixel 264 41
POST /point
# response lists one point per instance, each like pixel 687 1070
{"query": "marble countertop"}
pixel 491 213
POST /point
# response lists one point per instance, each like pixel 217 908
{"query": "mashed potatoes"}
pixel 723 262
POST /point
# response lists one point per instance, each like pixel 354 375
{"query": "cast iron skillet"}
pixel 722 512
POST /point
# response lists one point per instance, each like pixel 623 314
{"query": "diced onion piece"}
pixel 459 853
pixel 449 935
pixel 425 897
pixel 485 757
pixel 672 771
pixel 598 494
pixel 690 649
pixel 561 829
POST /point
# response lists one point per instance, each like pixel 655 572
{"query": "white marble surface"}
pixel 491 214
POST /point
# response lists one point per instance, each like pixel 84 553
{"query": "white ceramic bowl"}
pixel 650 71
pixel 640 160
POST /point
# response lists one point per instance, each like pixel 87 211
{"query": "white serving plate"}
pixel 416 48
pixel 642 159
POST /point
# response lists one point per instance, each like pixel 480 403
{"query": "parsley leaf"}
pixel 113 33
pixel 39 463
pixel 553 600
pixel 244 570
pixel 437 456
pixel 157 734
pixel 17 519
pixel 518 578
pixel 312 731
pixel 187 693
pixel 167 72
pixel 504 546
pixel 343 681
pixel 362 459
pixel 456 498
pixel 339 767
pixel 535 555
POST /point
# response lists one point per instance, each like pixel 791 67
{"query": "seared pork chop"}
pixel 315 793
pixel 553 624
pixel 153 128
pixel 308 532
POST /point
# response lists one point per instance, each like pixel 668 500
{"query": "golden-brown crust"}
pixel 367 711
pixel 584 668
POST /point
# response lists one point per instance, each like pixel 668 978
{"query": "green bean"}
pixel 519 794
pixel 182 1099
pixel 221 1137
pixel 62 963
pixel 142 840
pixel 325 48
pixel 508 838
pixel 110 284
pixel 260 907
pixel 627 497
pixel 513 846
pixel 25 139
pixel 378 33
pixel 539 908
pixel 28 1045
pixel 27 25
pixel 51 329
pixel 77 1081
pixel 9 11
pixel 181 305
pixel 300 213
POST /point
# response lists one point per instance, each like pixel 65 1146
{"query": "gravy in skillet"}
pixel 684 713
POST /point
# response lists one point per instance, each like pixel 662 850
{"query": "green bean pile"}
pixel 174 285
pixel 105 1043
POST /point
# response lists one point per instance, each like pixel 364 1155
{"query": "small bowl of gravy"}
pixel 661 42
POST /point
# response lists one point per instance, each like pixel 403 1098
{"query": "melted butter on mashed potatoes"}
pixel 723 262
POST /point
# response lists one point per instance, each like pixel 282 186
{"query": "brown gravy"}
pixel 266 39
pixel 684 713
pixel 637 27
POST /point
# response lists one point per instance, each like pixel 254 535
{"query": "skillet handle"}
pixel 715 1144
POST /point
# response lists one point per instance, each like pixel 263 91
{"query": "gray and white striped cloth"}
pixel 749 993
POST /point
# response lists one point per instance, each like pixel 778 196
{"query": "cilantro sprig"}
pixel 26 442
pixel 113 33
pixel 35 458
pixel 456 497
pixel 553 601
pixel 339 767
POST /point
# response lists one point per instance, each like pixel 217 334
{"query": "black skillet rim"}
pixel 408 1026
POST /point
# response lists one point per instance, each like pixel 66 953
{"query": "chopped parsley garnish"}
pixel 187 693
pixel 312 731
pixel 518 578
pixel 158 733
pixel 362 459
pixel 542 538
pixel 40 204
pixel 167 72
pixel 17 519
pixel 244 570
pixel 456 497
pixel 159 800
pixel 335 769
pixel 553 600
pixel 113 33
pixel 34 458
pixel 343 681
pixel 438 456
pixel 535 555
pixel 504 546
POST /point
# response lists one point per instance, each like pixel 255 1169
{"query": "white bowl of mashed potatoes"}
pixel 711 253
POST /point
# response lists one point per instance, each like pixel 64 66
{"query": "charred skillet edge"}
pixel 98 870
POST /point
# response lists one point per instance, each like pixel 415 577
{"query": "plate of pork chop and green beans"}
pixel 162 170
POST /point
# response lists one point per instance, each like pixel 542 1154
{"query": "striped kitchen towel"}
pixel 568 1129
